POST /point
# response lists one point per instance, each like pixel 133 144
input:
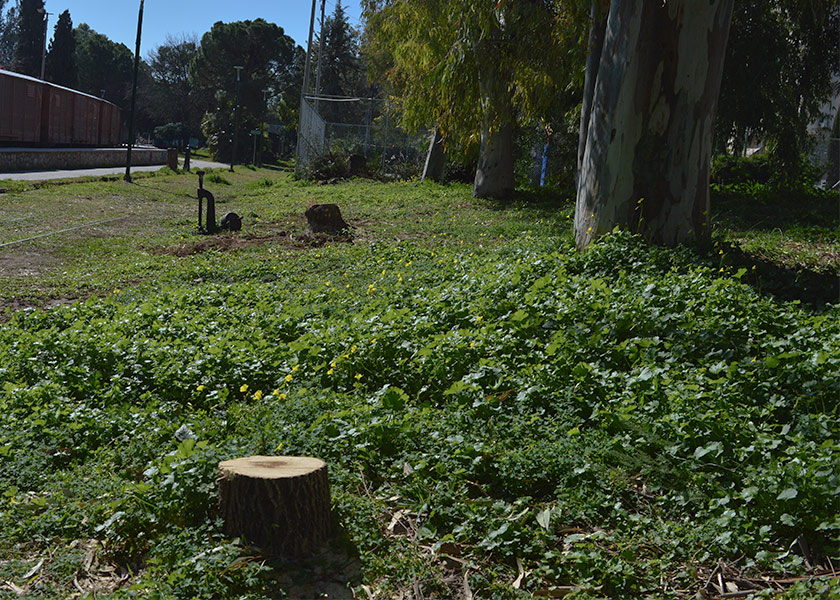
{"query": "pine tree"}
pixel 30 41
pixel 341 73
pixel 8 35
pixel 61 61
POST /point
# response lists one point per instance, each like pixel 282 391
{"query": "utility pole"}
pixel 133 95
pixel 320 56
pixel 44 50
pixel 236 118
pixel 305 87
pixel 262 125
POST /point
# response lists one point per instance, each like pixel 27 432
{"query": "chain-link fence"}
pixel 361 127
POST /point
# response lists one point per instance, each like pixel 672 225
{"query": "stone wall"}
pixel 46 159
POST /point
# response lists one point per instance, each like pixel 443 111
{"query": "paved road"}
pixel 42 175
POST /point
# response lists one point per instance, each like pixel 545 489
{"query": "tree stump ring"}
pixel 279 503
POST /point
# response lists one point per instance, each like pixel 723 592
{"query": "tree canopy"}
pixel 341 72
pixel 780 62
pixel 103 65
pixel 473 69
pixel 8 34
pixel 267 56
pixel 172 99
pixel 61 57
pixel 30 37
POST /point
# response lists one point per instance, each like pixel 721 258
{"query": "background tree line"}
pixel 499 79
pixel 187 86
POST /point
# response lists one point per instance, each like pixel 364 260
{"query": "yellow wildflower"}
pixel 258 395
pixel 243 388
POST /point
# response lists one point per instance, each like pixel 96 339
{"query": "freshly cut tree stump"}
pixel 279 503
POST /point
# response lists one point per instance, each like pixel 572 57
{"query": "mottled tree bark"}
pixel 435 158
pixel 647 138
pixel 494 177
pixel 494 174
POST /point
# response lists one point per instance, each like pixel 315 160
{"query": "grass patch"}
pixel 495 408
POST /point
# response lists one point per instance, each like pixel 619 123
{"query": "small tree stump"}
pixel 325 218
pixel 279 503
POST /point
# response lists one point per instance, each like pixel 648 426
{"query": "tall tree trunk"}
pixel 644 162
pixel 435 158
pixel 494 174
pixel 597 29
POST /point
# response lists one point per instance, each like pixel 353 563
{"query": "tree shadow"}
pixel 331 572
pixel 815 289
pixel 768 209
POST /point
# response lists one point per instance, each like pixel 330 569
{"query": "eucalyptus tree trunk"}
pixel 494 174
pixel 651 89
pixel 435 158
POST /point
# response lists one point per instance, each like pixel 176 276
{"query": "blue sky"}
pixel 118 18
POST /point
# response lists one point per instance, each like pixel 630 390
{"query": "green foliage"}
pixel 341 69
pixel 216 177
pixel 103 65
pixel 333 163
pixel 619 420
pixel 607 419
pixel 267 56
pixel 780 60
pixel 172 98
pixel 456 64
pixel 60 65
pixel 30 37
pixel 8 32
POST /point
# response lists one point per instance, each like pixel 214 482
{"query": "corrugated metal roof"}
pixel 60 87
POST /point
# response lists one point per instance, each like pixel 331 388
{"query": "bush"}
pixel 761 169
pixel 333 163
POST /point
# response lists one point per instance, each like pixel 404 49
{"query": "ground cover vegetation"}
pixel 502 415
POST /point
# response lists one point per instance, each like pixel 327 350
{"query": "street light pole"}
pixel 133 95
pixel 44 50
pixel 262 125
pixel 236 118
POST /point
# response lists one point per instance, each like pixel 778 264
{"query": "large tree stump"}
pixel 325 218
pixel 279 503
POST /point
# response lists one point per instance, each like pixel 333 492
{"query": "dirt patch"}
pixel 9 307
pixel 27 263
pixel 231 242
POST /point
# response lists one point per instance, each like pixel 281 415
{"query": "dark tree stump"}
pixel 435 158
pixel 358 165
pixel 325 218
pixel 279 503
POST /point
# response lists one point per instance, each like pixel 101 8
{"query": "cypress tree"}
pixel 8 35
pixel 61 58
pixel 30 41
